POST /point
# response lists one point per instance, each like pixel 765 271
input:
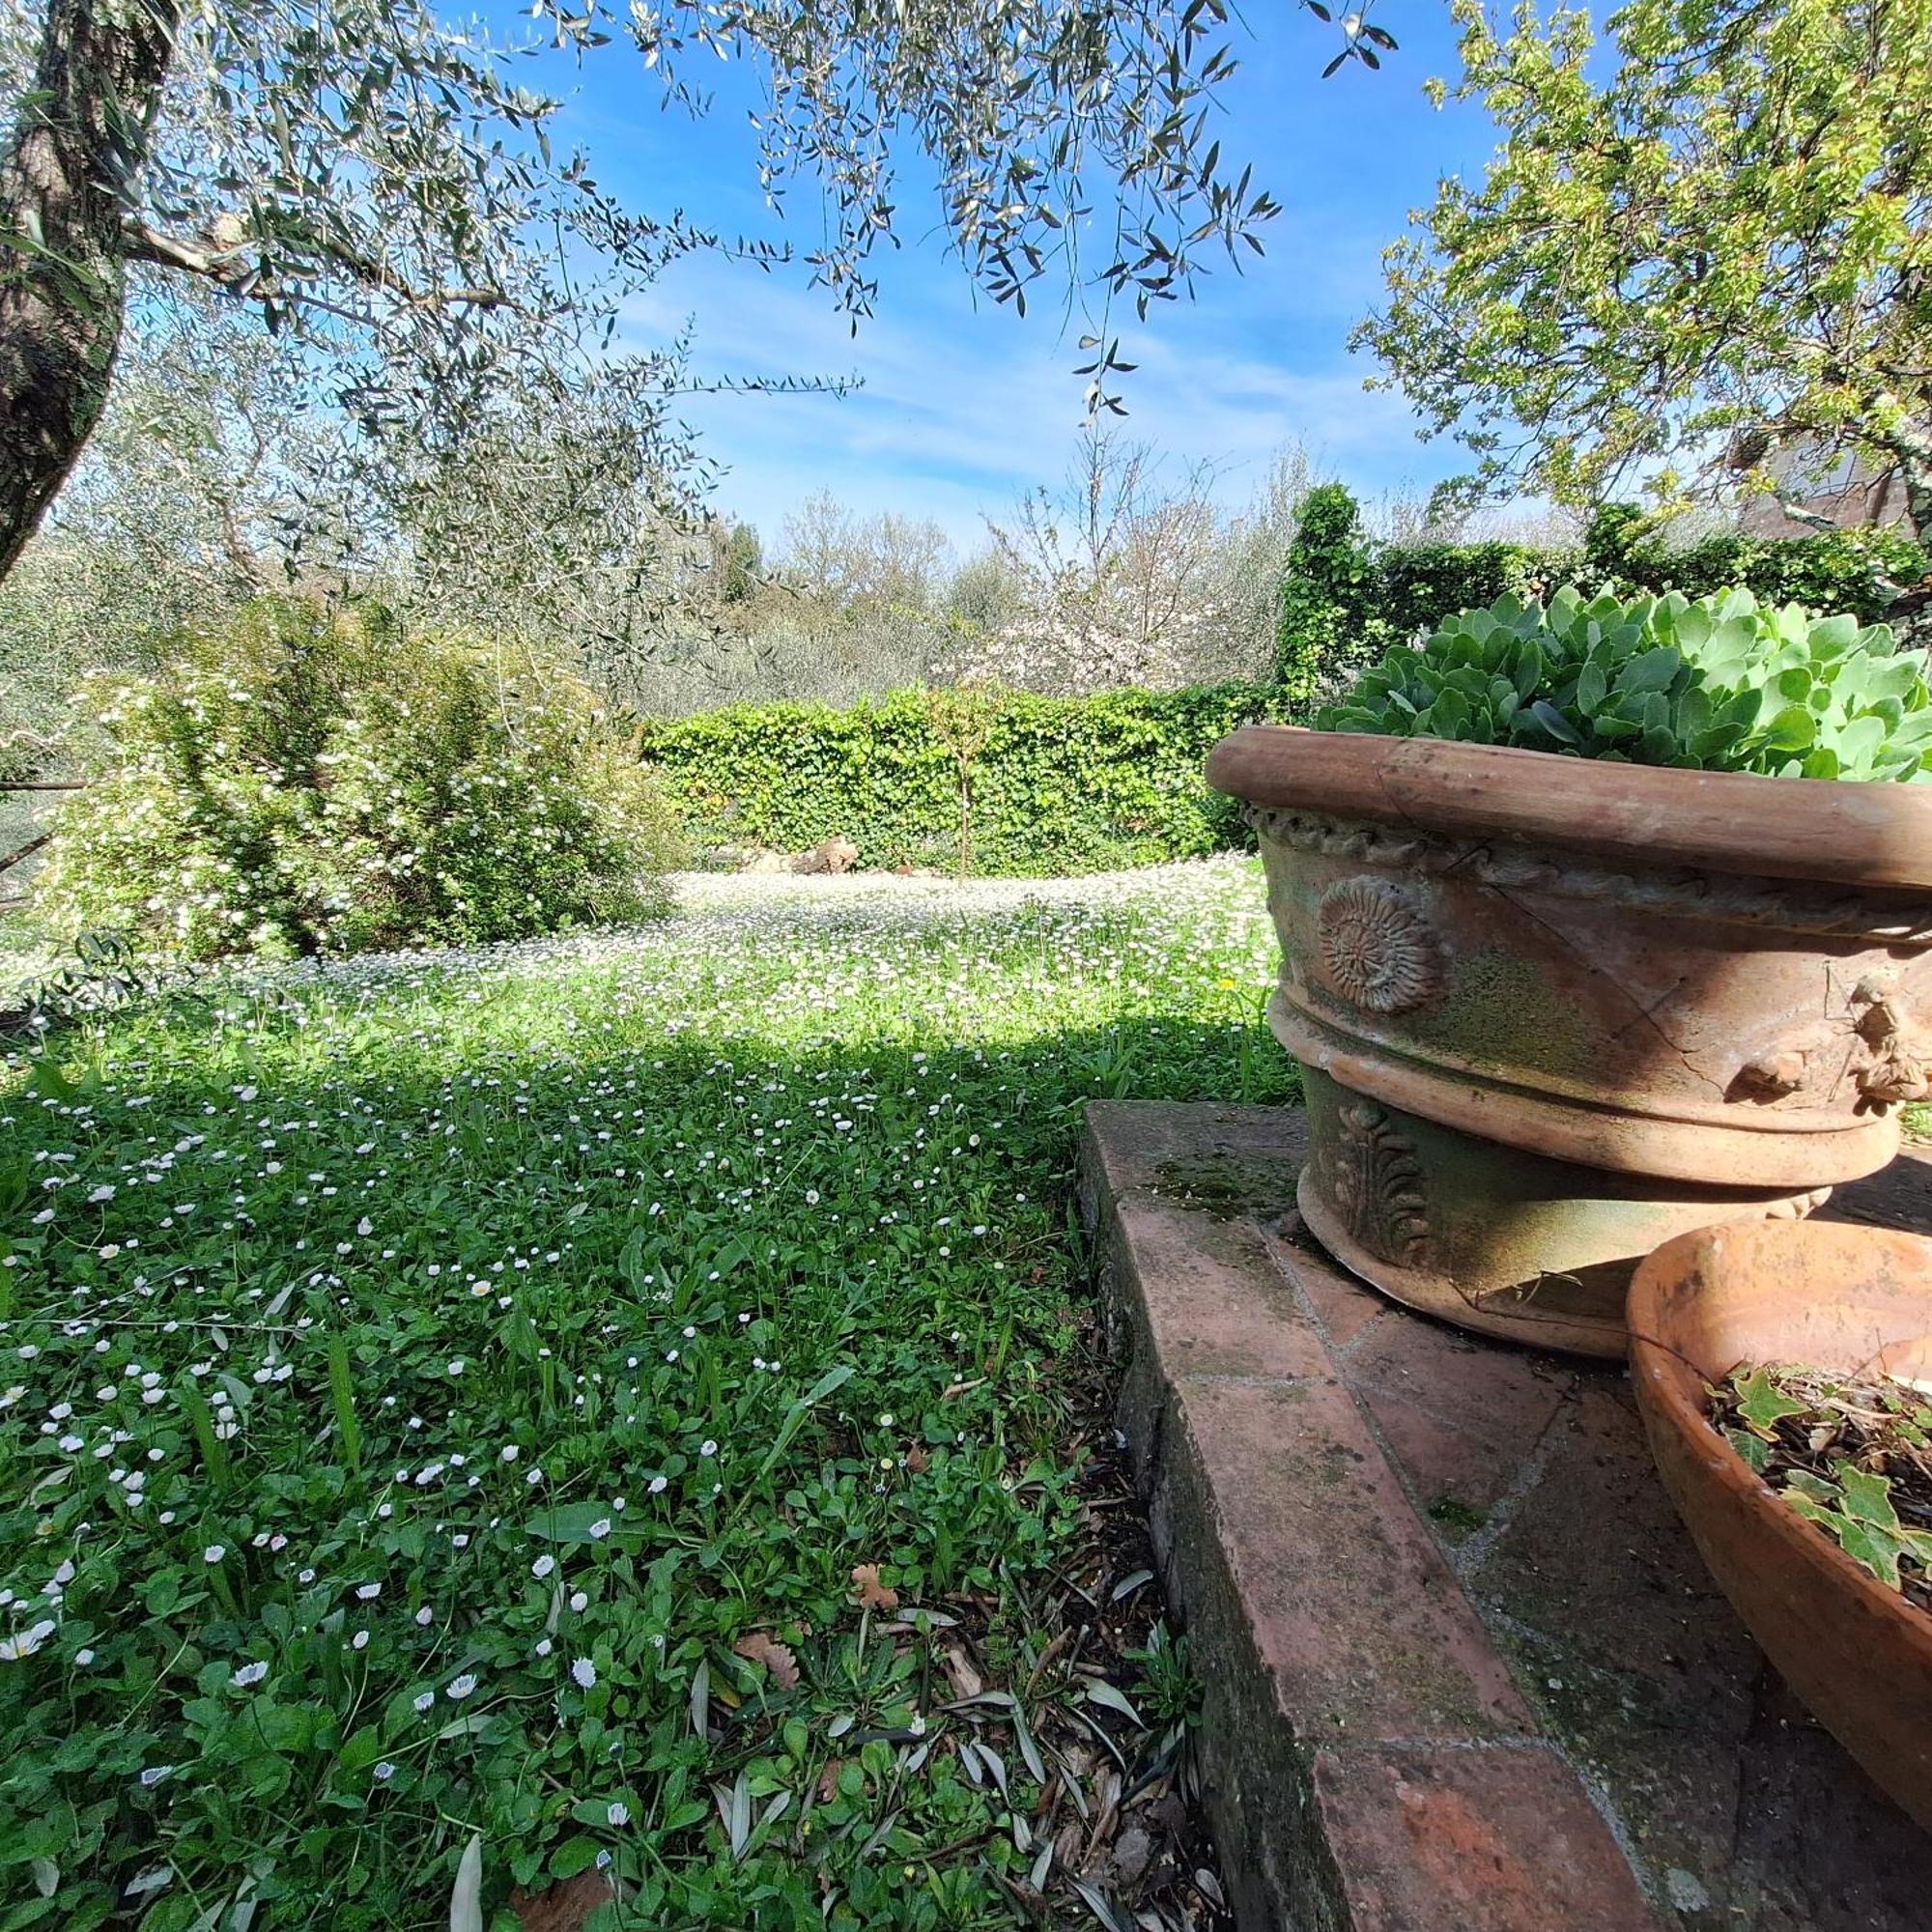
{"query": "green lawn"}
pixel 445 1403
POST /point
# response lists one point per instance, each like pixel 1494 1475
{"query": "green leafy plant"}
pixel 1060 784
pixel 449 1397
pixel 1852 1456
pixel 1328 608
pixel 102 972
pixel 1172 1692
pixel 1722 684
pixel 311 782
pixel 964 717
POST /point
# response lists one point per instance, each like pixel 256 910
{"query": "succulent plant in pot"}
pixel 1600 921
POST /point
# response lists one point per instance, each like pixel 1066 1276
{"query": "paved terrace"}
pixel 1464 1670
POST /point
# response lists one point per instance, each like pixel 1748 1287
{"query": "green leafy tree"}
pixel 1706 240
pixel 964 718
pixel 370 179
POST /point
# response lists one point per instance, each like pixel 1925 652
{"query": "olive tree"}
pixel 372 182
pixel 211 478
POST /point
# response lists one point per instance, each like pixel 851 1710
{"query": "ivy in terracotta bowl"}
pixel 1851 1453
pixel 1721 684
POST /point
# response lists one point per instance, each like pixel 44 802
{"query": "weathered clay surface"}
pixel 1539 953
pixel 1833 1297
pixel 1875 838
pixel 1501 1240
pixel 1642 1767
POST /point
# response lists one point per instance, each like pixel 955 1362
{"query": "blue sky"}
pixel 964 404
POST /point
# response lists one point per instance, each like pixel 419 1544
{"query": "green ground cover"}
pixel 444 1402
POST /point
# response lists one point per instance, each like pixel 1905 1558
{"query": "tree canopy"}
pixel 375 184
pixel 1703 243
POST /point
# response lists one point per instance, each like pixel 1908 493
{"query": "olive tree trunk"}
pixel 79 136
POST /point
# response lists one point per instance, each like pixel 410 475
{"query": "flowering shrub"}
pixel 307 781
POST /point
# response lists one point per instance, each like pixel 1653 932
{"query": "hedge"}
pixel 1860 571
pixel 1061 785
pixel 1345 599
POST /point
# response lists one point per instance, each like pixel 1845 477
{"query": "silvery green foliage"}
pixel 1028 111
pixel 1722 684
pixel 373 176
pixel 371 183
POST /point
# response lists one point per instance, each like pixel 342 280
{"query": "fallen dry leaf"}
pixel 828 1781
pixel 759 1647
pixel 872 1593
pixel 565 1907
pixel 966 1681
pixel 1132 1849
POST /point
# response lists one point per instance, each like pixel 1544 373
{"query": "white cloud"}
pixel 962 410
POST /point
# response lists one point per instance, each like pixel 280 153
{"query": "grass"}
pixel 612 1403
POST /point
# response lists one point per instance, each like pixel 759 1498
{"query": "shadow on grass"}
pixel 830 1294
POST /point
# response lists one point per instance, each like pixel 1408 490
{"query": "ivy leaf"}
pixel 1877 1548
pixel 1762 1404
pixel 1868 1495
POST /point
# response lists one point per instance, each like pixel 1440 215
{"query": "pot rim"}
pixel 1852 832
pixel 1671 1389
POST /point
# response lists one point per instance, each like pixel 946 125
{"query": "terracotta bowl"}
pixel 1834 1298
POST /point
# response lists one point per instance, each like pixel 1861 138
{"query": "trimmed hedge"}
pixel 1832 572
pixel 1062 785
pixel 1346 599
pixel 1419 584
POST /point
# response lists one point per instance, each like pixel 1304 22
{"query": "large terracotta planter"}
pixel 1553 1012
pixel 1833 1298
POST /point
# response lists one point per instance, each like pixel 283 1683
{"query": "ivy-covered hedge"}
pixel 1060 786
pixel 1835 572
pixel 1346 599
pixel 1417 586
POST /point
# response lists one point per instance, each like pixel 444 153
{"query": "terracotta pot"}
pixel 1851 1300
pixel 1556 1011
